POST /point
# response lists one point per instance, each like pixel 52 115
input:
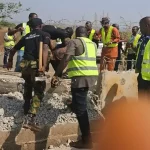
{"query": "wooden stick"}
pixel 40 56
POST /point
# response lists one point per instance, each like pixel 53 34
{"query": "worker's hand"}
pixel 9 65
pixel 106 44
pixel 128 45
pixel 54 82
pixel 42 69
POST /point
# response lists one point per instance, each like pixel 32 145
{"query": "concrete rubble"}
pixel 53 109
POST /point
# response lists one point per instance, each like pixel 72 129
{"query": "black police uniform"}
pixel 29 66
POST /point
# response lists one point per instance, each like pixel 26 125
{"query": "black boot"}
pixel 26 108
pixel 84 143
pixel 84 125
pixel 30 123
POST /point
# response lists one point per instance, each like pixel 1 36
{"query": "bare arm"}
pixel 45 55
pixel 63 64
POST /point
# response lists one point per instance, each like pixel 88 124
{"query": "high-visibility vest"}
pixel 135 42
pixel 26 31
pixel 92 34
pixel 107 38
pixel 145 66
pixel 85 64
pixel 10 43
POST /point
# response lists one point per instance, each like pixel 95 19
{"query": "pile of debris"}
pixel 53 109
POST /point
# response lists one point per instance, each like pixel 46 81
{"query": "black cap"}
pixel 35 22
pixel 105 20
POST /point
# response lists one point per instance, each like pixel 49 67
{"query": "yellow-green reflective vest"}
pixel 26 31
pixel 107 38
pixel 10 43
pixel 135 42
pixel 85 64
pixel 92 34
pixel 145 66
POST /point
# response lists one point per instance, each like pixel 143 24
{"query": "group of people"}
pixel 79 56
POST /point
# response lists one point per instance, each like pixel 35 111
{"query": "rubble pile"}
pixel 53 109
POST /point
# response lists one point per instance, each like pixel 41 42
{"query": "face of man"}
pixel 143 28
pixel 134 30
pixel 88 26
pixel 105 24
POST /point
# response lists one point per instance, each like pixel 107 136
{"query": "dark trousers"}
pixel 55 64
pixel 79 104
pixel 117 62
pixel 6 53
pixel 143 88
pixel 32 103
pixel 129 63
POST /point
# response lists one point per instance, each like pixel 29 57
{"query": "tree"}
pixel 7 10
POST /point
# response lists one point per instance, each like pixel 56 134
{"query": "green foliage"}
pixel 125 35
pixel 7 10
pixel 6 24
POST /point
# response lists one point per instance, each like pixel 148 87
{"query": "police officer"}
pixel 143 58
pixel 24 29
pixel 30 69
pixel 83 71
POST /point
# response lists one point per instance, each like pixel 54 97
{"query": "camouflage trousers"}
pixel 33 90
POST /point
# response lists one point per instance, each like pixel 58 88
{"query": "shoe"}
pixel 29 123
pixel 81 145
pixel 4 66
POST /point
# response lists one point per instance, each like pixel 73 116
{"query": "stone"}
pixel 1 112
pixel 5 120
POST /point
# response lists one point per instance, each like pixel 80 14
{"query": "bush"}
pixel 6 24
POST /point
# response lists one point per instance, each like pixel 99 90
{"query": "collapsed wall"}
pixel 57 120
pixel 115 85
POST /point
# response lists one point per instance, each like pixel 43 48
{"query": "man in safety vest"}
pixel 131 47
pixel 110 37
pixel 9 43
pixel 143 58
pixel 24 29
pixel 91 32
pixel 83 71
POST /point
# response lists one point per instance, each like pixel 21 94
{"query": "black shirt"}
pixel 31 43
pixel 55 32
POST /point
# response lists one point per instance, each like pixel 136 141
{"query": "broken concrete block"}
pixel 114 85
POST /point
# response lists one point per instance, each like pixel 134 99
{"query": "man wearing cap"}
pixel 30 70
pixel 24 29
pixel 82 69
pixel 110 37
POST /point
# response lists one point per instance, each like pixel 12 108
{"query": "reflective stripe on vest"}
pixel 92 34
pixel 107 38
pixel 10 43
pixel 85 64
pixel 26 31
pixel 145 66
